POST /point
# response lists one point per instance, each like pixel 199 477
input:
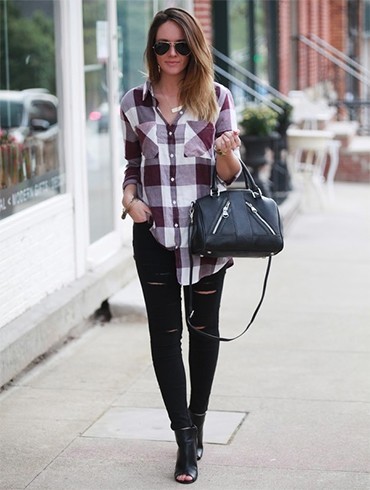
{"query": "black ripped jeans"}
pixel 162 294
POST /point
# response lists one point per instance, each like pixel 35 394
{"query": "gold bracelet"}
pixel 126 210
pixel 220 152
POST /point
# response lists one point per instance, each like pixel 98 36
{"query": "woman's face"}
pixel 171 63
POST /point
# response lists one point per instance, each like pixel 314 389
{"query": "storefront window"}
pixel 134 19
pixel 99 164
pixel 30 168
pixel 248 41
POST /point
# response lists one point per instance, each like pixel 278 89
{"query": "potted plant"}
pixel 284 119
pixel 257 124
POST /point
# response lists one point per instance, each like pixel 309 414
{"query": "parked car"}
pixel 101 116
pixel 29 135
pixel 25 112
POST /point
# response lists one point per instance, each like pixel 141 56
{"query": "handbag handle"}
pixel 249 181
pixel 215 337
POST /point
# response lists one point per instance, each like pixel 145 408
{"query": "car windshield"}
pixel 10 113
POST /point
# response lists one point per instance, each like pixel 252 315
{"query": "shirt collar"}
pixel 148 89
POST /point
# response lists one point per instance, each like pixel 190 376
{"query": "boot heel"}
pixel 198 421
pixel 186 463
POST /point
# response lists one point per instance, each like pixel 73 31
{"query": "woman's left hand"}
pixel 228 142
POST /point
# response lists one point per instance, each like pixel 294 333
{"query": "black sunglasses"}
pixel 162 47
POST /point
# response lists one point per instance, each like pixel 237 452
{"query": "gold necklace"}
pixel 174 110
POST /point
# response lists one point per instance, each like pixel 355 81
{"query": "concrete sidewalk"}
pixel 291 402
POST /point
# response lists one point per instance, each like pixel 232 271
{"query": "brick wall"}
pixel 303 50
pixel 286 52
pixel 312 17
pixel 324 33
pixel 338 37
pixel 203 12
pixel 309 20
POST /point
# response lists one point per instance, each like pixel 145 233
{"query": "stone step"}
pixel 354 161
pixel 359 145
pixel 344 131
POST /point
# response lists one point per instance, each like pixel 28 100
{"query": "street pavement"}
pixel 291 402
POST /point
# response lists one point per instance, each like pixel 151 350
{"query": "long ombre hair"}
pixel 197 91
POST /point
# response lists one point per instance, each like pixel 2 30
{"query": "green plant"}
pixel 258 120
pixel 283 119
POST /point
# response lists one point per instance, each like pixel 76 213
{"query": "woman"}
pixel 172 126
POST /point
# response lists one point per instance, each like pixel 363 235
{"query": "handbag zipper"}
pixel 256 213
pixel 223 215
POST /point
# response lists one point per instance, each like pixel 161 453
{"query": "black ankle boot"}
pixel 186 463
pixel 198 421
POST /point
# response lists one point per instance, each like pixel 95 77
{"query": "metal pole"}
pixel 251 37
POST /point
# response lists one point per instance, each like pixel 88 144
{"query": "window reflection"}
pixel 99 164
pixel 29 164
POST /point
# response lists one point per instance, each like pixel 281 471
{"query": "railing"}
pixel 253 94
pixel 357 109
pixel 249 90
pixel 279 178
pixel 349 61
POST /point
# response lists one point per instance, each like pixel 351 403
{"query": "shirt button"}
pixel 171 155
pixel 173 202
pixel 176 225
pixel 181 112
pixel 170 133
pixel 172 179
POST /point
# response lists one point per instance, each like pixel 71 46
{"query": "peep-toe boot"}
pixel 198 421
pixel 186 463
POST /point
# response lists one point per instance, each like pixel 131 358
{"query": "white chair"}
pixel 308 152
pixel 310 113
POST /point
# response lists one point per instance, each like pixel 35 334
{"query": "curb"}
pixel 62 314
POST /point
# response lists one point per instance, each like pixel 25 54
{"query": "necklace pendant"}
pixel 176 109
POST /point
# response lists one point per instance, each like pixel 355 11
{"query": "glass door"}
pixel 99 161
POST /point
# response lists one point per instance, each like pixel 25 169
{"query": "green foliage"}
pixel 258 120
pixel 285 117
pixel 30 61
pixel 134 19
pixel 92 11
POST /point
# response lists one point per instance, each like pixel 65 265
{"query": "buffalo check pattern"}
pixel 172 165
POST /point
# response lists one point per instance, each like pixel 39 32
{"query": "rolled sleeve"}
pixel 132 152
pixel 227 119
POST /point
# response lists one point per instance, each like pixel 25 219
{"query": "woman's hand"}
pixel 227 163
pixel 140 212
pixel 227 142
pixel 134 207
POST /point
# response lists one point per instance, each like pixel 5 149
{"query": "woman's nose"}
pixel 173 51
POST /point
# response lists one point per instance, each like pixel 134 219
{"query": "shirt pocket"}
pixel 199 139
pixel 147 134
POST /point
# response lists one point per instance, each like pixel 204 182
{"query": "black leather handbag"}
pixel 237 222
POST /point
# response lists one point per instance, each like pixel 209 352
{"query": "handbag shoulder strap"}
pixel 215 337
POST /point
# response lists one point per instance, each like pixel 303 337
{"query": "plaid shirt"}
pixel 171 165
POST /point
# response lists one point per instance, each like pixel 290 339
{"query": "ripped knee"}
pixel 206 292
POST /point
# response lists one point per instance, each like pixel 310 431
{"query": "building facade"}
pixel 64 64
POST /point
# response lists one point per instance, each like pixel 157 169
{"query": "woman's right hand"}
pixel 140 212
pixel 136 208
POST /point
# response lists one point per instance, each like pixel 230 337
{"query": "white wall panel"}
pixel 36 255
